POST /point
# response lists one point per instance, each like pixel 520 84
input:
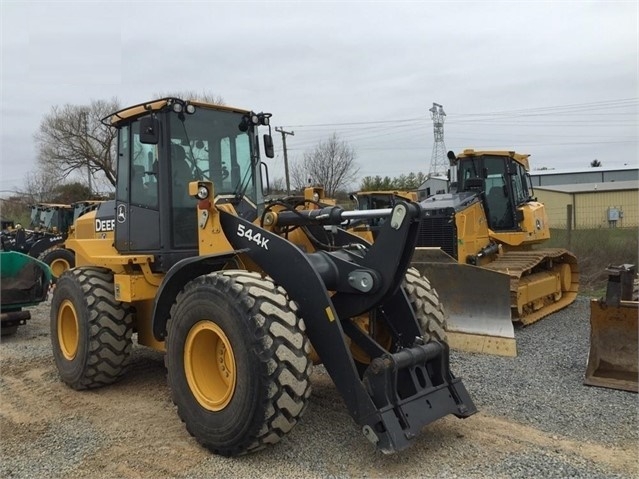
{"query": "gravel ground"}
pixel 536 419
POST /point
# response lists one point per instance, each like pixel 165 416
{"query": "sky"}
pixel 558 80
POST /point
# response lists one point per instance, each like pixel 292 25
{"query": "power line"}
pixel 549 110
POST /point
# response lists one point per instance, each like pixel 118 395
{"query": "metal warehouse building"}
pixel 612 204
pixel 584 175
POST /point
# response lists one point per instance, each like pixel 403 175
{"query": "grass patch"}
pixel 595 250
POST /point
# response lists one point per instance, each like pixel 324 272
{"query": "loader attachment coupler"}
pixel 412 388
pixel 407 383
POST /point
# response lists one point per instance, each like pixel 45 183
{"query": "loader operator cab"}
pixel 504 182
pixel 164 145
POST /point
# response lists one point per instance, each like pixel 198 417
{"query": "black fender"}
pixel 43 244
pixel 181 273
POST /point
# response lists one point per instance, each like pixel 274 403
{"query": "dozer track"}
pixel 541 281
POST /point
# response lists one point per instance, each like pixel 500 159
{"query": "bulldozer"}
pixel 614 337
pixel 479 247
pixel 244 296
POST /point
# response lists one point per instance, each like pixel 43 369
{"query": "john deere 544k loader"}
pixel 242 295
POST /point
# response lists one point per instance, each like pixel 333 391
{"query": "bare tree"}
pixel 40 184
pixel 298 175
pixel 330 164
pixel 72 138
pixel 206 97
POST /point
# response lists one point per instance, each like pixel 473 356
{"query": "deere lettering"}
pixel 104 225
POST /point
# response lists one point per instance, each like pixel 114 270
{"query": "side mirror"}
pixel 149 130
pixel 268 146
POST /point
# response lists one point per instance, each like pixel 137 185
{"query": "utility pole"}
pixel 284 133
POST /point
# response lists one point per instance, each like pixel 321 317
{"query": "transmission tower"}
pixel 438 161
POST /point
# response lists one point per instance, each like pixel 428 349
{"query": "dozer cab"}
pixel 479 247
pixel 242 295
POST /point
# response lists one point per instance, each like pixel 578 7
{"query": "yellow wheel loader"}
pixel 49 228
pixel 479 246
pixel 374 200
pixel 243 295
pixel 614 333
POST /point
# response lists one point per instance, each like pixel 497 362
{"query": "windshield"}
pixel 47 218
pixel 214 148
pixel 35 217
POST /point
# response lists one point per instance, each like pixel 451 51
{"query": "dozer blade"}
pixel 477 301
pixel 612 362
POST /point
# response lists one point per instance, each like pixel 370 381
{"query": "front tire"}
pixel 90 330
pixel 428 309
pixel 429 313
pixel 238 361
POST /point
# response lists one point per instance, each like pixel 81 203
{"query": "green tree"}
pixel 71 192
pixel 408 182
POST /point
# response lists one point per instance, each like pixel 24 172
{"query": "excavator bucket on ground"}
pixel 476 300
pixel 612 362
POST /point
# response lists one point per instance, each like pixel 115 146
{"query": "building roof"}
pixel 591 187
pixel 599 169
pixel 432 179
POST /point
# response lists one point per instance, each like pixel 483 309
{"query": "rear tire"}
pixel 90 330
pixel 238 361
pixel 59 260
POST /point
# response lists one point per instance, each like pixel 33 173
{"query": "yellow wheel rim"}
pixel 209 365
pixel 59 266
pixel 382 336
pixel 68 330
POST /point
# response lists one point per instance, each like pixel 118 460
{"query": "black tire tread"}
pixel 286 364
pixel 110 326
pixel 428 309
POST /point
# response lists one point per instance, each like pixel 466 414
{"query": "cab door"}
pixel 137 217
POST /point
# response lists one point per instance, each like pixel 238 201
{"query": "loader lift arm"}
pixel 401 391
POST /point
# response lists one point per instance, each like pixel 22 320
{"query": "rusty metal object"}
pixel 612 361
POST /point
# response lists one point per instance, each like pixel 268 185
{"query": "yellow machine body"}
pixel 481 245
